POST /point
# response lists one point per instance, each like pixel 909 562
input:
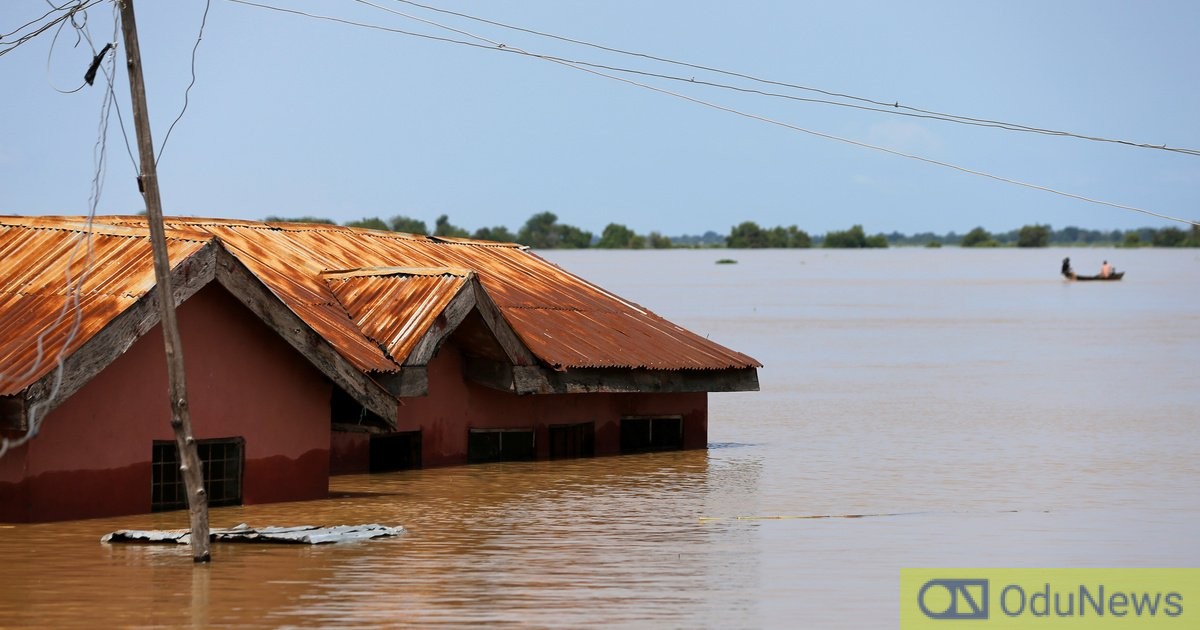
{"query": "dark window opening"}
pixel 498 445
pixel 572 440
pixel 343 409
pixel 222 460
pixel 395 451
pixel 651 434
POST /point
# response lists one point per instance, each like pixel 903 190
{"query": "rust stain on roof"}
pixel 396 271
pixel 396 310
pixel 59 287
pixel 371 294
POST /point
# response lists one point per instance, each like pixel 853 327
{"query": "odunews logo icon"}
pixel 968 599
pixel 1051 598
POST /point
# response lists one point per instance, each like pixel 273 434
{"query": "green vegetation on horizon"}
pixel 543 231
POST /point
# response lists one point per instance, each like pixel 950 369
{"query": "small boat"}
pixel 1116 275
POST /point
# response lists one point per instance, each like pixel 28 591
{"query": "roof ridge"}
pixel 98 227
pixel 379 272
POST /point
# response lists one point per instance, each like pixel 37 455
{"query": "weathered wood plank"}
pixel 188 277
pixel 471 297
pixel 12 414
pixel 410 381
pixel 493 374
pixel 250 291
pixel 517 352
pixel 447 321
pixel 537 380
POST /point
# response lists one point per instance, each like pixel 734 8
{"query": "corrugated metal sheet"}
pixel 59 288
pixel 395 310
pixel 535 296
pixel 372 316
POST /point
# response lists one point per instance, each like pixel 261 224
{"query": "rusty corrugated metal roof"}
pixel 565 321
pixel 371 294
pixel 58 287
pixel 394 309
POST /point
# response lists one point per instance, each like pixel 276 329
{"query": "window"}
pixel 653 433
pixel 222 459
pixel 395 451
pixel 497 445
pixel 572 440
pixel 344 409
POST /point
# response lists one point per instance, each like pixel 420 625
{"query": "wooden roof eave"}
pixel 114 339
pixel 412 378
pixel 523 373
pixel 211 262
pixel 539 380
pixel 240 282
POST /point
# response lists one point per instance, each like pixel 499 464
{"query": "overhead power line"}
pixel 199 36
pixel 12 40
pixel 82 244
pixel 889 107
pixel 499 46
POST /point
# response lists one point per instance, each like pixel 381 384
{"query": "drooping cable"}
pixel 890 107
pixel 72 306
pixel 67 11
pixel 199 36
pixel 498 46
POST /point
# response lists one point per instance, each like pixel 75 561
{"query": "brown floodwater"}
pixel 918 408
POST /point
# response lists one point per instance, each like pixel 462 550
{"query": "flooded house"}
pixel 313 350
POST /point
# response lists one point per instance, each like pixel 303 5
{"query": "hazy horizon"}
pixel 292 115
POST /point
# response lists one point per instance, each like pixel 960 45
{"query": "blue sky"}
pixel 295 116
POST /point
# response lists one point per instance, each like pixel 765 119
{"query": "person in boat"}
pixel 1106 270
pixel 1066 268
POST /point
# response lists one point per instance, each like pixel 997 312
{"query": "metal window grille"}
pixel 498 445
pixel 652 433
pixel 572 440
pixel 222 460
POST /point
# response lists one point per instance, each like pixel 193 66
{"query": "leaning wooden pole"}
pixel 193 474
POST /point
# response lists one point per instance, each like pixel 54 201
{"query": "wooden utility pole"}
pixel 181 422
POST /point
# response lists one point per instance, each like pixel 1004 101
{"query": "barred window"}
pixel 651 433
pixel 498 445
pixel 222 460
pixel 572 440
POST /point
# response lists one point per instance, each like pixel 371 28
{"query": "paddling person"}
pixel 1066 268
pixel 1105 270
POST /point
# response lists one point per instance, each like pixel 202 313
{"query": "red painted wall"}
pixel 92 457
pixel 349 453
pixel 454 405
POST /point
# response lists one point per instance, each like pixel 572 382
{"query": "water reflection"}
pixel 1006 417
pixel 616 539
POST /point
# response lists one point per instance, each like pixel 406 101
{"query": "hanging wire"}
pixel 888 107
pixel 186 92
pixel 7 44
pixel 72 306
pixel 502 47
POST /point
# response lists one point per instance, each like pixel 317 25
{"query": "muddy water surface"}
pixel 928 407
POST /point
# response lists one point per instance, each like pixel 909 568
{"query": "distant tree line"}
pixel 1045 236
pixel 543 231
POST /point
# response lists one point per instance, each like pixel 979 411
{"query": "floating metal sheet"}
pixel 295 535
